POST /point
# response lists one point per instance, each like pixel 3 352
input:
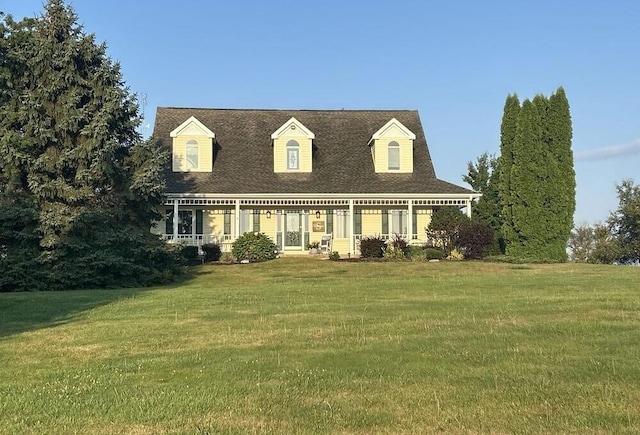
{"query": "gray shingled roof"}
pixel 342 161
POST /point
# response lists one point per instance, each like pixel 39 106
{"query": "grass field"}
pixel 312 346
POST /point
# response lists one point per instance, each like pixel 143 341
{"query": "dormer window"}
pixel 292 147
pixel 192 154
pixel 293 155
pixel 394 155
pixel 394 146
pixel 192 147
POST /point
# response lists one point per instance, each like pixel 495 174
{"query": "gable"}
pixel 192 127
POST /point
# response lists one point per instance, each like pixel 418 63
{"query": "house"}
pixel 299 175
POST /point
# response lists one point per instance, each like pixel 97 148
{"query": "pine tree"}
pixel 70 148
pixel 508 130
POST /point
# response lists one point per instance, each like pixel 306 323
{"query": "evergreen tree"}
pixel 560 134
pixel 508 130
pixel 70 150
pixel 484 177
pixel 537 180
pixel 527 197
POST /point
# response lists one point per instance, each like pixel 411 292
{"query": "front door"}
pixel 292 230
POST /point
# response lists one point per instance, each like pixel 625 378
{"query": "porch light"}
pixel 268 214
pixel 318 214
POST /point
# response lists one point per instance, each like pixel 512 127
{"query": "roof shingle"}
pixel 342 162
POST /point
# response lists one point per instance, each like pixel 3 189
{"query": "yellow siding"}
pixel 341 246
pixel 280 154
pixel 205 153
pixel 424 218
pixel 381 154
pixel 371 223
pixel 269 226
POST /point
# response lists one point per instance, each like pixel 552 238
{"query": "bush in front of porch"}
pixel 254 247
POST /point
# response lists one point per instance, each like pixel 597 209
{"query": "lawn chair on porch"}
pixel 325 244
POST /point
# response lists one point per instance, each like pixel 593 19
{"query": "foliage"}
pixel 582 244
pixel 313 245
pixel 334 256
pixel 444 227
pixel 415 252
pixel 508 130
pixel 254 247
pixel 212 251
pixel 433 253
pixel 189 252
pixel 372 247
pixel 474 240
pixel 70 153
pixel 484 177
pixel 624 223
pixel 537 185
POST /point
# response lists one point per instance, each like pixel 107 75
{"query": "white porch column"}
pixel 469 207
pixel 175 220
pixel 237 220
pixel 410 221
pixel 352 245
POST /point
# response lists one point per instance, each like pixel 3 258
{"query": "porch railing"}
pixel 200 239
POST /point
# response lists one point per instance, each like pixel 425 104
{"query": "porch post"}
pixel 175 220
pixel 237 220
pixel 410 221
pixel 469 207
pixel 352 245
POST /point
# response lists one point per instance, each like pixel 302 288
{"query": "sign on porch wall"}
pixel 317 226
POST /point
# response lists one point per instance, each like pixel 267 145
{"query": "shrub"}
pixel 415 252
pixel 393 253
pixel 212 251
pixel 254 247
pixel 372 247
pixel 474 240
pixel 334 256
pixel 433 254
pixel 188 252
pixel 399 243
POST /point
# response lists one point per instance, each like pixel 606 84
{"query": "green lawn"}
pixel 313 346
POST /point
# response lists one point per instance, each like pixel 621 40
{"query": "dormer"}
pixel 192 147
pixel 292 147
pixel 392 148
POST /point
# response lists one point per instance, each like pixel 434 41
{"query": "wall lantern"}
pixel 268 214
pixel 318 214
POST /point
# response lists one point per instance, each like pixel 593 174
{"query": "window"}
pixel 256 221
pixel 227 224
pixel 398 222
pixel 185 222
pixel 244 221
pixel 394 155
pixel 293 155
pixel 192 154
pixel 341 224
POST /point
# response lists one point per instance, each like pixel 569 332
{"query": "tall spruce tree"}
pixel 508 130
pixel 71 154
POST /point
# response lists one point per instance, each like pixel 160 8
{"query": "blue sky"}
pixel 453 61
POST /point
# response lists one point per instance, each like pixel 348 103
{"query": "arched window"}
pixel 293 155
pixel 192 154
pixel 394 155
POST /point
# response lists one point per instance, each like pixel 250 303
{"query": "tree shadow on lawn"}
pixel 30 311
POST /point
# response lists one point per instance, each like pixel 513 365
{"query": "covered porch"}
pixel 295 221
